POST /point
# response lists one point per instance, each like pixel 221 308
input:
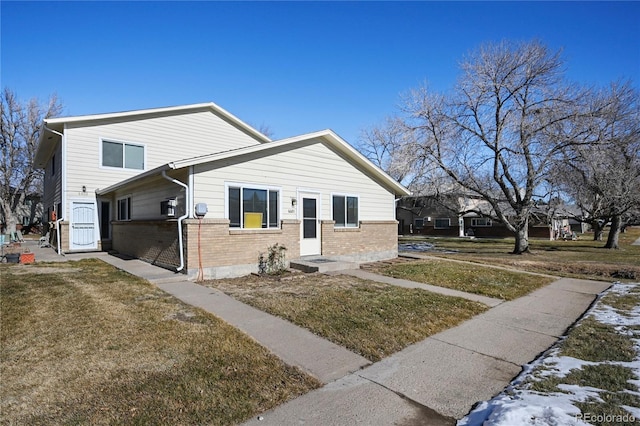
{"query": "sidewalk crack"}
pixel 479 353
pixel 425 412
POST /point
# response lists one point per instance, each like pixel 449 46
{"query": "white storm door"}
pixel 310 242
pixel 83 226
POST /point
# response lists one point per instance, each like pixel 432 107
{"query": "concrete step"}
pixel 321 264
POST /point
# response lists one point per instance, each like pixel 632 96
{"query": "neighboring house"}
pixel 29 213
pixel 193 185
pixel 425 215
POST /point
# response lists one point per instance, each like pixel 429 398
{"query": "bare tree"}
pixel 603 176
pixel 390 147
pixel 491 135
pixel 20 129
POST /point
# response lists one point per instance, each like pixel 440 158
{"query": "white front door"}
pixel 83 225
pixel 310 242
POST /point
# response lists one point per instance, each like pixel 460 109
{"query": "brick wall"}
pixel 153 241
pixel 373 240
pixel 229 252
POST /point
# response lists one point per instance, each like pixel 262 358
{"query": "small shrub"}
pixel 274 262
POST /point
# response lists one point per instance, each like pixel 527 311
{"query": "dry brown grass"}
pixel 476 279
pixel 84 343
pixel 584 258
pixel 369 318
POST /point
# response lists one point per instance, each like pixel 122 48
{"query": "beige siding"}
pixel 310 166
pixel 146 198
pixel 166 139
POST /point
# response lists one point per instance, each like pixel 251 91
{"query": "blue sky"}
pixel 296 67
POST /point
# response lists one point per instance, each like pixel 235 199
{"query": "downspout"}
pixel 57 222
pixel 63 186
pixel 181 218
pixel 191 186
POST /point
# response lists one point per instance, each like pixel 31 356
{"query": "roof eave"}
pixel 154 111
pixel 153 172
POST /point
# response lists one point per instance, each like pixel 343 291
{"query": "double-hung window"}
pixel 253 207
pixel 124 208
pixel 122 155
pixel 345 211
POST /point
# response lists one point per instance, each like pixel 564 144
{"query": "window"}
pixel 419 223
pixel 124 208
pixel 480 221
pixel 442 223
pixel 345 211
pixel 253 208
pixel 122 155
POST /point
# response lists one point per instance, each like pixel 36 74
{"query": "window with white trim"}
pixel 442 223
pixel 124 208
pixel 250 208
pixel 122 155
pixel 480 221
pixel 345 211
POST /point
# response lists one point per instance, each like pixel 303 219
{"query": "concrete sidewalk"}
pixel 439 379
pixel 431 382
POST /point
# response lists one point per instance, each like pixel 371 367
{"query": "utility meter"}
pixel 201 209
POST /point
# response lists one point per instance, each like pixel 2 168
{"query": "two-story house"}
pixel 194 188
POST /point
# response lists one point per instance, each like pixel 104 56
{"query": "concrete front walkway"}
pixel 431 382
pixel 439 379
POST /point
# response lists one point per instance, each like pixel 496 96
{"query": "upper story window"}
pixel 122 155
pixel 345 211
pixel 253 207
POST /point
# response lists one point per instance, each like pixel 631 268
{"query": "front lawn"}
pixel 85 343
pixel 369 318
pixel 470 278
pixel 585 258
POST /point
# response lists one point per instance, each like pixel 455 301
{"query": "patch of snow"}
pixel 635 411
pixel 525 408
pixel 422 246
pixel 517 405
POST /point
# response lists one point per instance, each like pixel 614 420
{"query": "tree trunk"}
pixel 614 232
pixel 10 217
pixel 597 231
pixel 522 241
